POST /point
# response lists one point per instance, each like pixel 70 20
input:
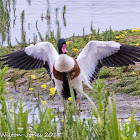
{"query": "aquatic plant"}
pixel 23 33
pixel 4 20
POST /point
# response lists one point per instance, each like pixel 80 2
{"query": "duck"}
pixel 63 68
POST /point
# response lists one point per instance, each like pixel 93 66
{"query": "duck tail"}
pixel 66 89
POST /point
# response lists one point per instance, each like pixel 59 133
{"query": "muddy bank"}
pixel 125 103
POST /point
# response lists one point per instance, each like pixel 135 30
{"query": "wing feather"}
pixel 40 55
pixel 97 54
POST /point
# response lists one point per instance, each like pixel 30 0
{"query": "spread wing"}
pixel 42 54
pixel 97 54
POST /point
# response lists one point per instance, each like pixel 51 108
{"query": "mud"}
pixel 125 103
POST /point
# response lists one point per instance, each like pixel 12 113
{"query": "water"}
pixel 120 14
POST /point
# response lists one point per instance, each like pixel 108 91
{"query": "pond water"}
pixel 119 14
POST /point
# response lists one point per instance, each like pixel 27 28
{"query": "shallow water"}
pixel 125 105
pixel 119 14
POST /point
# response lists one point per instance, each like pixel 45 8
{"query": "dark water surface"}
pixel 120 14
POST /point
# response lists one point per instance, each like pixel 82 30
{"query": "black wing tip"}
pixel 129 47
pixel 126 55
pixel 96 71
pixel 19 59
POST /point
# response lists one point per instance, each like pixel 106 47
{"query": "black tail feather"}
pixel 66 89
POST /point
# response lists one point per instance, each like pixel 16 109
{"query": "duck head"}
pixel 61 44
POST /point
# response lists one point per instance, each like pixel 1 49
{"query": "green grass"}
pixel 102 125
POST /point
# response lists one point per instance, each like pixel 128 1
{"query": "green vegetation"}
pixel 4 20
pixel 102 125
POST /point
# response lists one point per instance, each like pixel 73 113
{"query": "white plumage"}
pixel 91 54
pixel 64 63
pixel 43 51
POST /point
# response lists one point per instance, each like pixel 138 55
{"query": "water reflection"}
pixel 66 16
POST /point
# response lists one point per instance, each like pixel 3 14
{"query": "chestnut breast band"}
pixel 73 73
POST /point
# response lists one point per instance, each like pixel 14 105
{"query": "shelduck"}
pixel 63 68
